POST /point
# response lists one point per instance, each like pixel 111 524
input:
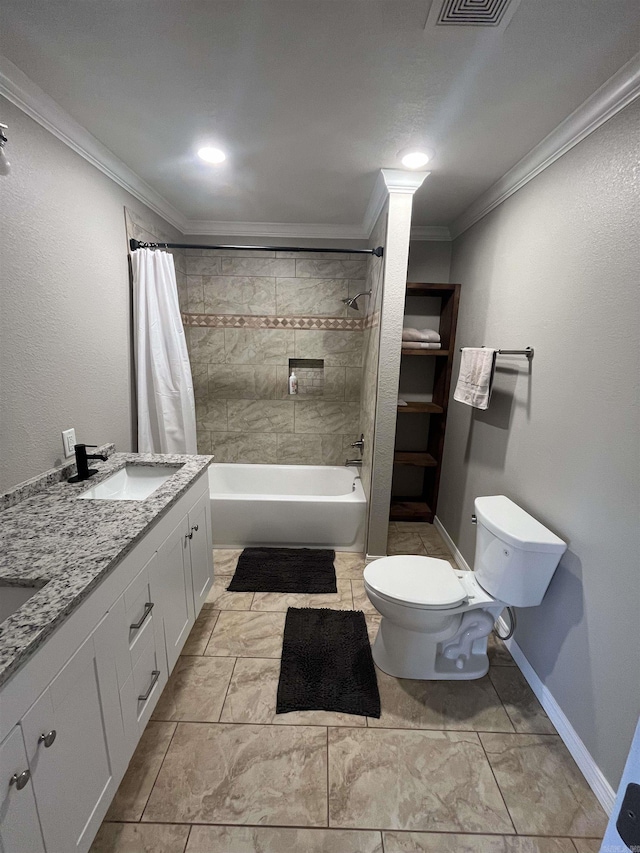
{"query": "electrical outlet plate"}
pixel 68 440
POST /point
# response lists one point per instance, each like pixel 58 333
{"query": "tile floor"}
pixel 450 767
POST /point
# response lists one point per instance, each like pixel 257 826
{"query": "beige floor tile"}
pixel 373 623
pixel 404 542
pixel 588 845
pixel 265 839
pixel 131 797
pixel 519 700
pixel 140 838
pixel 247 633
pixel 283 600
pixel 445 705
pixel 361 599
pixel 499 654
pixel 220 773
pixel 195 690
pixel 435 842
pixel 544 791
pixel 251 698
pixel 415 780
pixel 349 565
pixel 201 632
pixel 225 560
pixel 220 599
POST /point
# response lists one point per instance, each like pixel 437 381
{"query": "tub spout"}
pixel 353 463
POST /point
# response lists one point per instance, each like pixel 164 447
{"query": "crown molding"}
pixel 614 95
pixel 274 229
pixel 387 181
pixel 430 232
pixel 21 91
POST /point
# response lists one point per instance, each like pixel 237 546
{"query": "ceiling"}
pixel 310 98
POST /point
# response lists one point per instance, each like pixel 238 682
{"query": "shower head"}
pixel 352 301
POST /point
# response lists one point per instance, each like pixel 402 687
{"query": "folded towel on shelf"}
pixel 401 402
pixel 475 381
pixel 419 345
pixel 426 335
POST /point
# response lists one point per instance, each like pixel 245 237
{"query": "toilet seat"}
pixel 414 581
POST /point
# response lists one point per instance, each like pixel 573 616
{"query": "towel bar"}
pixel 528 352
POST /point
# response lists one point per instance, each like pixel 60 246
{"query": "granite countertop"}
pixel 64 547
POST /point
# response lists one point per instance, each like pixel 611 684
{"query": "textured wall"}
pixel 429 260
pixel 65 349
pixel 248 314
pixel 556 267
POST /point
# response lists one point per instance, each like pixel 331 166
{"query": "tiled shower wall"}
pixel 247 314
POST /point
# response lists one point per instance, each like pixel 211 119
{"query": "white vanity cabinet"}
pixel 72 716
pixel 74 739
pixel 19 823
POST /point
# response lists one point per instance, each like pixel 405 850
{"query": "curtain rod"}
pixel 137 244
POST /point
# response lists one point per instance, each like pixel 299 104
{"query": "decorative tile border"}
pixel 371 320
pixel 255 321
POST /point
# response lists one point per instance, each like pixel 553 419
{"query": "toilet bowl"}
pixel 436 619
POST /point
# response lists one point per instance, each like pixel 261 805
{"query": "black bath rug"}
pixel 284 570
pixel 327 664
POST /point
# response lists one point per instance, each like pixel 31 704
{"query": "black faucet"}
pixel 84 472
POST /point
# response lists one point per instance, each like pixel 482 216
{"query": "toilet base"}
pixel 403 653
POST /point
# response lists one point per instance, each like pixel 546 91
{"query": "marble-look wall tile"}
pixel 294 449
pixel 242 382
pixel 203 440
pixel 311 296
pixel 342 349
pixel 195 297
pixel 211 414
pixel 258 266
pixel 225 294
pixel 248 448
pixel 206 345
pixel 353 384
pixel 330 269
pixel 312 415
pixel 258 346
pixel 203 265
pixel 260 416
pixel 321 256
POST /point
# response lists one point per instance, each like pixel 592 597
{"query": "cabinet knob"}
pixel 20 779
pixel 48 738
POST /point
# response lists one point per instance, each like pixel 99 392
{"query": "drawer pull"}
pixel 20 779
pixel 48 738
pixel 147 610
pixel 155 675
pixel 195 527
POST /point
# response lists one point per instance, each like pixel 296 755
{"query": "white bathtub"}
pixel 298 505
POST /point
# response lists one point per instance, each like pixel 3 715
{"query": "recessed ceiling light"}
pixel 415 158
pixel 211 155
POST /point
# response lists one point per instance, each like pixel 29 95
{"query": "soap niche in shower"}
pixel 310 374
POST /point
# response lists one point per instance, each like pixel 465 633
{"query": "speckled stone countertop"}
pixel 65 547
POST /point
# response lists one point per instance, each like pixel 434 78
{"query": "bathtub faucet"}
pixel 355 463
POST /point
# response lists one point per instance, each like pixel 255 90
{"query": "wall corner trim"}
pixel 579 752
pixel 614 95
pixel 439 233
pixel 388 181
pixel 23 93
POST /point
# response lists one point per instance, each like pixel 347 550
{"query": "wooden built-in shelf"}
pixel 413 457
pixel 410 510
pixel 423 288
pixel 415 407
pixel 431 352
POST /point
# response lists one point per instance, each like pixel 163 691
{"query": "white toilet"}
pixel 436 619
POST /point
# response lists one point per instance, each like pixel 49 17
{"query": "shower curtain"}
pixel 166 407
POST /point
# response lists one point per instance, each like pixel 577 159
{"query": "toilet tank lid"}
pixel 513 525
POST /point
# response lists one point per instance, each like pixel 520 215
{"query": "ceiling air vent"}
pixel 471 13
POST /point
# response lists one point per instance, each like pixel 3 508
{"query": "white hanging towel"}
pixel 166 406
pixel 475 381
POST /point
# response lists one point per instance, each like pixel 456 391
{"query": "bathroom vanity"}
pixel 100 585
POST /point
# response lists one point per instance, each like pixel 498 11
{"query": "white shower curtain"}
pixel 166 407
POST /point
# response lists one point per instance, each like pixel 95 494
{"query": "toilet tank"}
pixel 516 556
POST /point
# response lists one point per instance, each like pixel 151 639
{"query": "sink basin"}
pixel 13 597
pixel 131 483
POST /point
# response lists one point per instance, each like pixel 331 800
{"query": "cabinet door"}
pixel 172 589
pixel 201 550
pixel 19 824
pixel 75 743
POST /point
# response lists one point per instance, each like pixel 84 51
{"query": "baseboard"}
pixel 369 558
pixel 581 755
